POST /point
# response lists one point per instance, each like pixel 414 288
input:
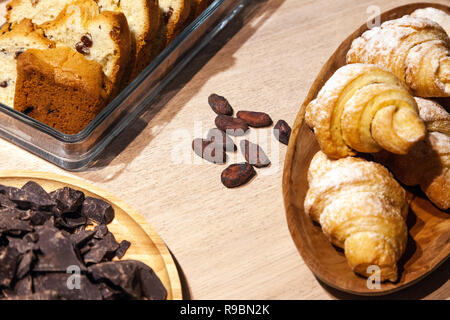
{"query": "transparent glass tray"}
pixel 75 152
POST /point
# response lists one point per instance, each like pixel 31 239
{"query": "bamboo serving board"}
pixel 146 245
pixel 429 228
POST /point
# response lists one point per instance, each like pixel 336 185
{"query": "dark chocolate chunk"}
pixel 5 202
pixel 102 249
pixel 9 259
pixel 100 231
pixel 11 224
pixel 4 84
pixel 123 247
pixel 25 263
pixel 58 251
pixel 81 237
pixel 97 210
pixel 24 286
pixel 67 199
pixel 66 285
pixel 134 277
pixel 22 245
pixel 71 221
pixel 31 195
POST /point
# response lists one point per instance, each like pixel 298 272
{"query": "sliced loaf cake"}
pixel 142 15
pixel 60 88
pixel 175 14
pixel 15 39
pixel 102 37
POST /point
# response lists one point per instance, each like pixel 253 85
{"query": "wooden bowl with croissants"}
pixel 366 181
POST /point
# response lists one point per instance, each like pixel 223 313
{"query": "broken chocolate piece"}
pixel 31 195
pixel 134 277
pixel 67 199
pixel 97 210
pixel 82 237
pixel 24 266
pixel 123 247
pixel 100 231
pixel 9 258
pixel 66 286
pixel 102 249
pixel 58 251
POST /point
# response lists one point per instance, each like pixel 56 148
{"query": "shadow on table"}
pixel 419 290
pixel 258 11
pixel 185 290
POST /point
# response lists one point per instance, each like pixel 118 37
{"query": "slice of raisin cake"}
pixel 142 15
pixel 175 14
pixel 102 37
pixel 14 40
pixel 60 87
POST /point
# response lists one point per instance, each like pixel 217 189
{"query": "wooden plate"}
pixel 429 228
pixel 146 245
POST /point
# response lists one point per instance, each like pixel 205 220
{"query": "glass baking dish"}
pixel 75 152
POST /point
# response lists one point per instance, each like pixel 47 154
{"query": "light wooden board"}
pixel 232 243
pixel 146 245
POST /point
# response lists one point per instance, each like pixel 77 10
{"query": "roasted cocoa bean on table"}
pixel 220 105
pixel 255 119
pixel 282 131
pixel 232 126
pixel 209 151
pixel 221 138
pixel 254 154
pixel 237 174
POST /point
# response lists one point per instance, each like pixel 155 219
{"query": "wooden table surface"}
pixel 231 243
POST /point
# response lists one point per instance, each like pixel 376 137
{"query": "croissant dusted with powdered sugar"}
pixel 364 108
pixel 362 209
pixel 414 49
pixel 436 15
pixel 428 163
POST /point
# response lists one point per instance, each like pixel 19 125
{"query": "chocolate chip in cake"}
pixel 82 48
pixel 4 84
pixel 87 40
pixel 167 15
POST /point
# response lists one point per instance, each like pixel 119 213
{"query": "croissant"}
pixel 414 49
pixel 364 108
pixel 435 116
pixel 438 16
pixel 362 209
pixel 428 162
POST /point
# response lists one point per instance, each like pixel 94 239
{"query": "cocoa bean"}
pixel 220 105
pixel 221 138
pixel 232 126
pixel 237 174
pixel 282 132
pixel 254 154
pixel 255 119
pixel 207 150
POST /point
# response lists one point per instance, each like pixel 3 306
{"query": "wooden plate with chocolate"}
pixel 143 246
pixel 428 244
